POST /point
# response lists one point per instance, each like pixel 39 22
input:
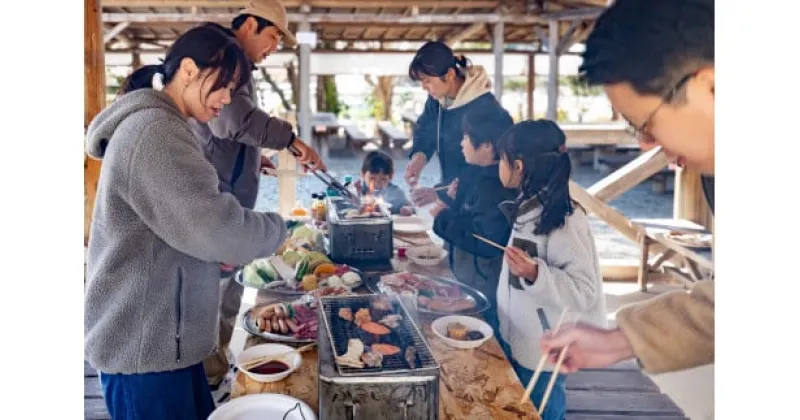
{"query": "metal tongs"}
pixel 328 180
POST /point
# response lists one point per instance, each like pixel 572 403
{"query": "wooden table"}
pixel 474 384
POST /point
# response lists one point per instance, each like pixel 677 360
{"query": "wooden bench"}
pixel 390 135
pixel 355 138
pixel 686 264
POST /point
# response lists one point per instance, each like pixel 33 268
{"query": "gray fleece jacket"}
pixel 159 230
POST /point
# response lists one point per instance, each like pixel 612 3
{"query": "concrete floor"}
pixel 692 390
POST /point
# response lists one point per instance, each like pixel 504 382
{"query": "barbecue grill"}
pixel 361 242
pixel 395 390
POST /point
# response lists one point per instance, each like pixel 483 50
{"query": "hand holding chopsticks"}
pixel 542 361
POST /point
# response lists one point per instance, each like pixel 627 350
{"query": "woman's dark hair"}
pixel 541 145
pixel 209 47
pixel 435 59
pixel 238 21
pixel 485 125
pixel 377 162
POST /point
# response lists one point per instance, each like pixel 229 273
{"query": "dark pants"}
pixel 557 402
pixel 175 395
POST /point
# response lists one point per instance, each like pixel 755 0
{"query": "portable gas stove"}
pixel 362 239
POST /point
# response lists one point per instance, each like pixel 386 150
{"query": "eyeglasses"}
pixel 641 132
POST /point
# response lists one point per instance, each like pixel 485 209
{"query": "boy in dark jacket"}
pixel 473 207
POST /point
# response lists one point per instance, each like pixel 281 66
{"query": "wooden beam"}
pixel 582 13
pixel 94 99
pixel 568 39
pixel 345 18
pixel 465 33
pixel 689 200
pixel 614 218
pixel 341 4
pixel 552 73
pixel 531 83
pixel 630 175
pixel 509 51
pixel 113 32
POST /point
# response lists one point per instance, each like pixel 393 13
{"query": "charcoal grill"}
pixel 392 392
pixel 364 243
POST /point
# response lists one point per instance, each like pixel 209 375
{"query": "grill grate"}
pixel 406 334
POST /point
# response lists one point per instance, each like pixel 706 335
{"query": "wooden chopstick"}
pixel 540 366
pixel 441 188
pixel 492 243
pixel 255 362
pixel 553 377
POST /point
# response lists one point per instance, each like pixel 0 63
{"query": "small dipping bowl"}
pixel 292 360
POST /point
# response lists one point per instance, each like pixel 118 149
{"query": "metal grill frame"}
pixel 428 363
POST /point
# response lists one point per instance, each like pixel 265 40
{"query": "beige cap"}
pixel 273 11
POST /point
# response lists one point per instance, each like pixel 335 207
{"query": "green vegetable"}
pixel 303 233
pixel 291 258
pixel 302 268
pixel 251 277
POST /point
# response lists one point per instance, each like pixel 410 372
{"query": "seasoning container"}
pixel 318 208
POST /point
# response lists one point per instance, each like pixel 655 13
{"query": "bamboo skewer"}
pixel 540 366
pixel 255 362
pixel 492 243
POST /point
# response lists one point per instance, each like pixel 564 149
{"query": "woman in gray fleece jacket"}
pixel 160 228
pixel 551 260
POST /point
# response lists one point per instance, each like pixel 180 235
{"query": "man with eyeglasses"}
pixel 233 141
pixel 655 60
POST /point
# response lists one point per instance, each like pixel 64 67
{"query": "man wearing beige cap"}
pixel 233 142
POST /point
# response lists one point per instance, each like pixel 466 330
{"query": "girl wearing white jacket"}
pixel 551 261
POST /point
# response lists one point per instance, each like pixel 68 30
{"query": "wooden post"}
pixel 552 77
pixel 136 60
pixel 531 83
pixel 690 203
pixel 498 41
pixel 304 106
pixel 94 99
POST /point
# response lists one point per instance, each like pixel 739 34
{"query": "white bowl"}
pixel 292 359
pixel 263 406
pixel 415 255
pixel 439 327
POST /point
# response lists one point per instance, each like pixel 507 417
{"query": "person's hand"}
pixel 414 168
pixel 438 208
pixel 226 267
pixel 267 167
pixel 308 156
pixel 521 264
pixel 590 347
pixel 423 196
pixel 452 189
pixel 406 211
pixel 358 185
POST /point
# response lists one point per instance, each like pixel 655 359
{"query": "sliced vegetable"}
pixel 325 269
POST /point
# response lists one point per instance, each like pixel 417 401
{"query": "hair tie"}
pixel 562 149
pixel 158 81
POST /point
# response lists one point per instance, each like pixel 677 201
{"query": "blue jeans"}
pixel 557 403
pixel 175 395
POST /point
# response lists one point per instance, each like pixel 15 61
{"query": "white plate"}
pixel 409 224
pixel 439 328
pixel 262 406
